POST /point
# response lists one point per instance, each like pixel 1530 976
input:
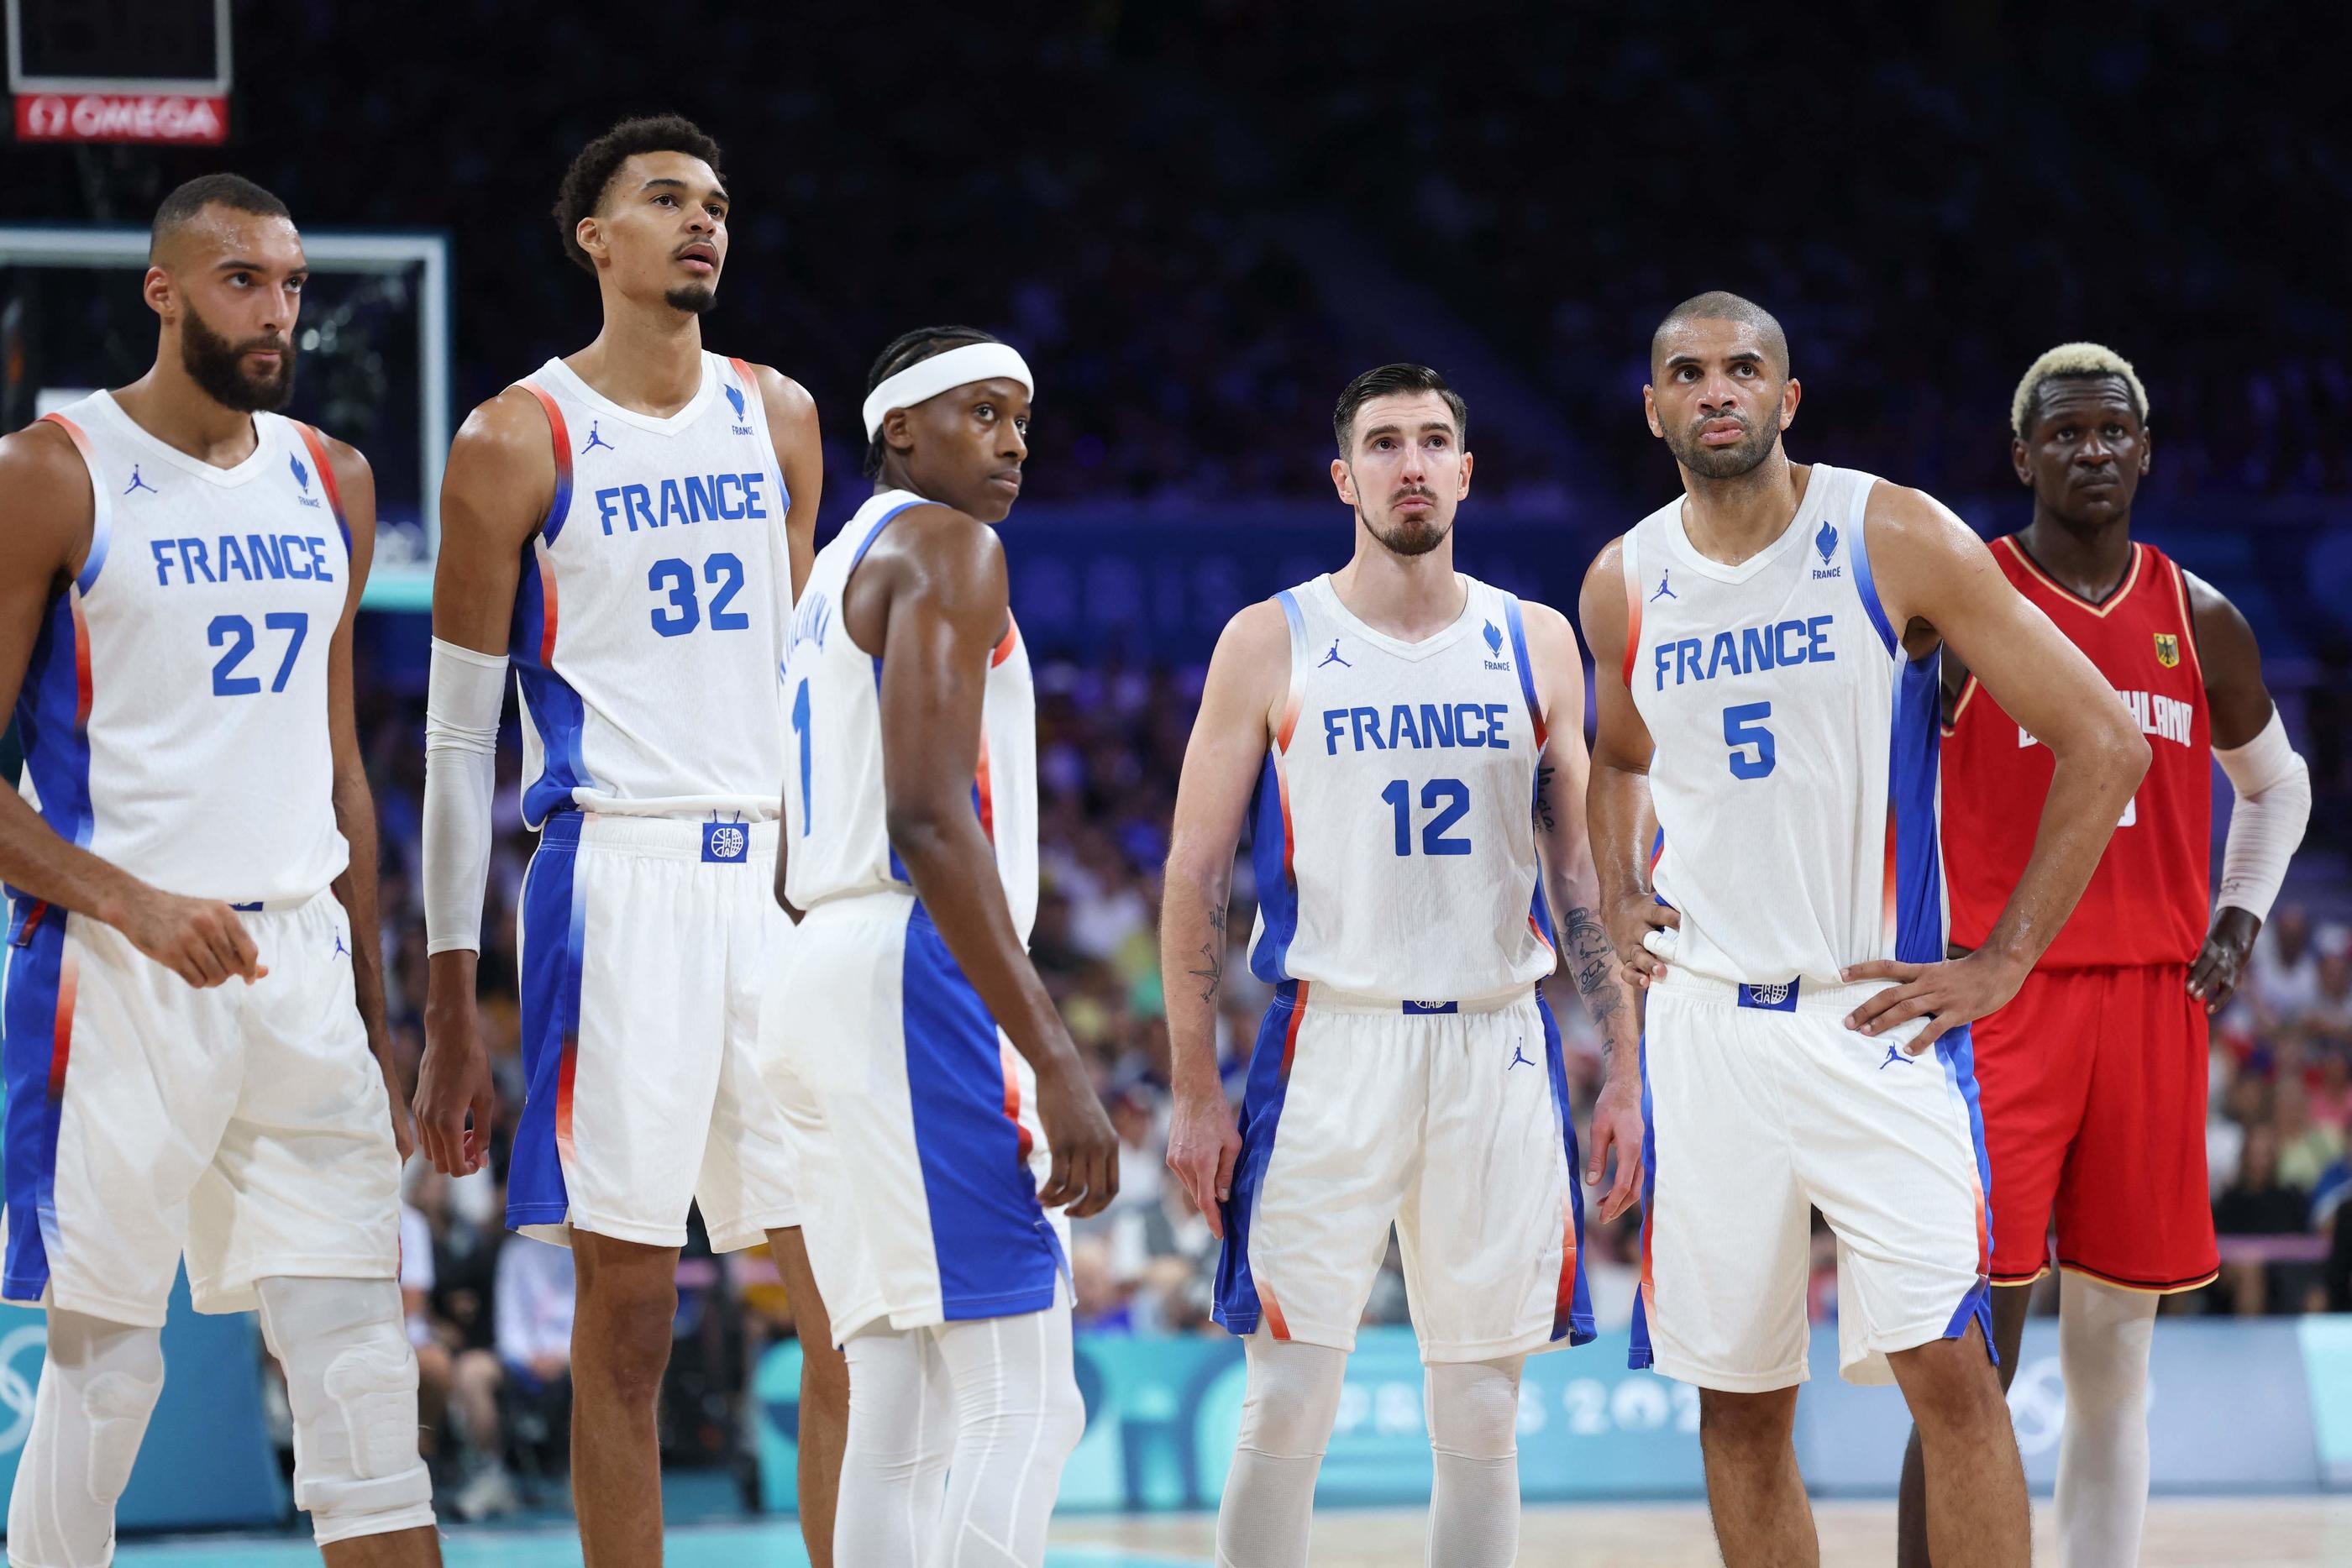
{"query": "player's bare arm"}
pixel 354 802
pixel 800 452
pixel 932 594
pixel 1936 581
pixel 496 491
pixel 2241 716
pixel 1247 685
pixel 45 511
pixel 1572 890
pixel 1617 799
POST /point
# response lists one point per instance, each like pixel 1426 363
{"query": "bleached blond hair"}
pixel 2073 360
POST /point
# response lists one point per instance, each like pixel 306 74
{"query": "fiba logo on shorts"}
pixel 17 1383
pixel 1768 996
pixel 724 842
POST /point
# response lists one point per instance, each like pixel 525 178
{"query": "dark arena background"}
pixel 1198 219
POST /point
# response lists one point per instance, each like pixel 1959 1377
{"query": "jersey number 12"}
pixel 1450 798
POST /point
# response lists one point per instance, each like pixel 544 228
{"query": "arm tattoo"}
pixel 1587 955
pixel 1211 973
pixel 1543 797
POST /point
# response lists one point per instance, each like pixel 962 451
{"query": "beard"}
pixel 1410 535
pixel 694 299
pixel 1723 462
pixel 218 366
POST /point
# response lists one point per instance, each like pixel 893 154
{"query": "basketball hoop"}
pixel 119 70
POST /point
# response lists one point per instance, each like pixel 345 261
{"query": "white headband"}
pixel 926 379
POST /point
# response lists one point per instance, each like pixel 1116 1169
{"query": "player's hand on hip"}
pixel 1085 1174
pixel 456 1099
pixel 2221 963
pixel 1947 994
pixel 1644 933
pixel 199 939
pixel 1617 1124
pixel 1202 1146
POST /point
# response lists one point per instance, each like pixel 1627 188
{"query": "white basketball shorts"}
pixel 246 1126
pixel 917 1122
pixel 646 944
pixel 1448 1120
pixel 1762 1106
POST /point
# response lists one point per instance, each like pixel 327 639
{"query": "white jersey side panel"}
pixel 175 709
pixel 1795 775
pixel 1394 840
pixel 837 845
pixel 649 620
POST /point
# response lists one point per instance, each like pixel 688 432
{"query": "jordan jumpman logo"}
pixel 340 951
pixel 596 439
pixel 139 484
pixel 1333 657
pixel 1520 1058
pixel 1664 591
pixel 1893 1055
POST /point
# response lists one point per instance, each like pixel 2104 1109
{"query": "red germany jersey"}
pixel 2148 901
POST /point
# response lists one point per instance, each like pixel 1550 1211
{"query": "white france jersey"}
pixel 649 618
pixel 175 709
pixel 1795 777
pixel 1394 838
pixel 836 843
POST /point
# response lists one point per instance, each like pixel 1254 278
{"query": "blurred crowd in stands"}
pixel 490 1313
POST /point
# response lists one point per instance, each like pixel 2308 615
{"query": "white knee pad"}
pixel 1293 1396
pixel 99 1385
pixel 351 1382
pixel 1474 1408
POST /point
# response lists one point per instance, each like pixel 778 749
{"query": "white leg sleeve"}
pixel 1474 1441
pixel 1014 1392
pixel 97 1388
pixel 351 1382
pixel 901 1430
pixel 2104 1336
pixel 1291 1400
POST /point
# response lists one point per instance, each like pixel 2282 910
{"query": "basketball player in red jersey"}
pixel 2093 1078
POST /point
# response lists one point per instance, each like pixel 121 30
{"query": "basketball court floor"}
pixel 2232 1533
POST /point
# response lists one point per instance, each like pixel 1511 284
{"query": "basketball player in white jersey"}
pixel 194 1010
pixel 910 1032
pixel 1768 681
pixel 621 524
pixel 1414 740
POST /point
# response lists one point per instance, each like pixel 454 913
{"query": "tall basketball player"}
pixel 2093 1076
pixel 910 1033
pixel 195 1050
pixel 621 524
pixel 1414 742
pixel 1776 692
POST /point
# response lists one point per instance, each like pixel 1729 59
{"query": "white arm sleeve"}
pixel 2273 788
pixel 461 749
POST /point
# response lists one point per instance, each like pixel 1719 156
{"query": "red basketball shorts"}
pixel 2091 1084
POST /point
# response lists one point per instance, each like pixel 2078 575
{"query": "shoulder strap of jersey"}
pixel 1518 628
pixel 560 435
pixel 1295 617
pixel 1857 550
pixel 1629 557
pixel 101 504
pixel 2180 580
pixel 334 491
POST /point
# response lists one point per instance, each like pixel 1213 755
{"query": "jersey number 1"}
pixel 1451 794
pixel 801 728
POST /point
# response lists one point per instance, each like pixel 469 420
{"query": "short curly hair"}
pixel 591 174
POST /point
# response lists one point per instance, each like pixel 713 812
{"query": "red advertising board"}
pixel 121 117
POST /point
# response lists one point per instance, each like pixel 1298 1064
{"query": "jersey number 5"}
pixel 1451 794
pixel 1743 727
